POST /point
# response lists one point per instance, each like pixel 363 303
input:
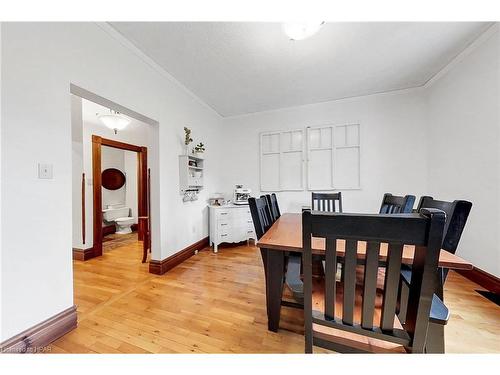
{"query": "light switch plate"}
pixel 45 171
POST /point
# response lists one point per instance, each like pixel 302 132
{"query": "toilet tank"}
pixel 111 214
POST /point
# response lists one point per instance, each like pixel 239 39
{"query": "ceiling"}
pixel 245 67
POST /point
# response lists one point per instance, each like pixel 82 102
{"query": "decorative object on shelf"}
pixel 187 138
pixel 217 199
pixel 114 120
pixel 241 195
pixel 112 179
pixel 199 149
pixel 190 195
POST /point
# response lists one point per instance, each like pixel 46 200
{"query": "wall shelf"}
pixel 191 173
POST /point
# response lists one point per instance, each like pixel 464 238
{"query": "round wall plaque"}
pixel 112 179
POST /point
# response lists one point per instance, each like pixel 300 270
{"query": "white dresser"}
pixel 230 223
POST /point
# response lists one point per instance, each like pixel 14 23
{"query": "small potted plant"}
pixel 199 149
pixel 187 138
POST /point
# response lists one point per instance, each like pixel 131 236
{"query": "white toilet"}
pixel 120 216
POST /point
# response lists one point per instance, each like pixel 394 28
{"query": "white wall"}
pixel 393 146
pixel 77 170
pixel 39 61
pixel 464 146
pixel 130 167
pixel 1 184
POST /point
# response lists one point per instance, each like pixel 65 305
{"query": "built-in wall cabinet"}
pixel 315 158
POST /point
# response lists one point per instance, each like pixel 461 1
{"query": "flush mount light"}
pixel 301 30
pixel 114 120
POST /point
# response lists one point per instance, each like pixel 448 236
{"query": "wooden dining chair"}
pixel 272 202
pixel 457 213
pixel 293 261
pixel 392 204
pixel 262 221
pixel 367 319
pixel 327 202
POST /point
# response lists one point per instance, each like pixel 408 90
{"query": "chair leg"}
pixel 435 339
pixel 292 278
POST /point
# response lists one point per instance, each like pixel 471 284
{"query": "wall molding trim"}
pixel 37 338
pixel 462 55
pixel 159 267
pixel 83 254
pixel 119 37
pixel 483 278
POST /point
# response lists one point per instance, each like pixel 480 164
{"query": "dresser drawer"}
pixel 222 214
pixel 223 227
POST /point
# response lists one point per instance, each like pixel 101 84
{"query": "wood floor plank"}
pixel 215 303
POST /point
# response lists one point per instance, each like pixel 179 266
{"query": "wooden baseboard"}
pixel 159 267
pixel 83 254
pixel 38 338
pixel 108 229
pixel 483 278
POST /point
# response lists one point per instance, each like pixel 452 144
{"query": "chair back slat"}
pixel 349 277
pixel 391 283
pixel 370 284
pixel 275 206
pixel 392 204
pixel 261 215
pixel 272 203
pixel 424 231
pixel 330 276
pixel 326 202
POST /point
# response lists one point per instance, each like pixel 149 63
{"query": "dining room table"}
pixel 285 235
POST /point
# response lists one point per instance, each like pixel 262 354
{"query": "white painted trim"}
pixel 111 31
pixel 462 55
pixel 85 94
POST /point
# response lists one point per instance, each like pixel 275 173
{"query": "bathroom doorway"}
pixel 99 124
pixel 110 159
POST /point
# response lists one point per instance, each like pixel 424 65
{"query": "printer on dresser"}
pixel 230 223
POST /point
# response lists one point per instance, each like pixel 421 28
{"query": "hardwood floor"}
pixel 215 303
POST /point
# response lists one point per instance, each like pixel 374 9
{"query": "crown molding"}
pixel 115 34
pixel 462 55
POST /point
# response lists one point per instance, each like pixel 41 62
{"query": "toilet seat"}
pixel 124 220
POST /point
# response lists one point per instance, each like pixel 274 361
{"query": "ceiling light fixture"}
pixel 301 30
pixel 115 120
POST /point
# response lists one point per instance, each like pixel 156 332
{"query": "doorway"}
pixel 143 192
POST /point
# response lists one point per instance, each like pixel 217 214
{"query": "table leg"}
pixel 274 287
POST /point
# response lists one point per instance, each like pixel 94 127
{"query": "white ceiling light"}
pixel 301 30
pixel 114 120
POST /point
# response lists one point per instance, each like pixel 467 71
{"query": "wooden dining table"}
pixel 285 235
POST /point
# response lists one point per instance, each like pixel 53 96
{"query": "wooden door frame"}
pixel 142 176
